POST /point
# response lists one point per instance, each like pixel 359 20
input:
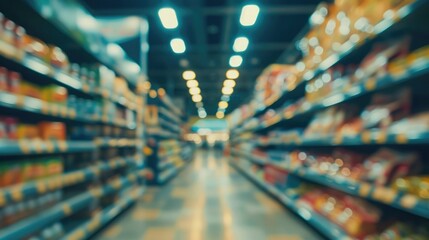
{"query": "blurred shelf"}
pixel 168 116
pixel 249 156
pixel 367 137
pixel 87 229
pixel 347 49
pixel 79 40
pixel 164 165
pixel 166 101
pixel 369 86
pixel 66 208
pixel 27 147
pixel 161 134
pixel 170 152
pixel 37 70
pixel 379 29
pixel 326 227
pixel 169 174
pixel 116 142
pixel 20 192
pixel 389 196
pixel 170 126
pixel 36 106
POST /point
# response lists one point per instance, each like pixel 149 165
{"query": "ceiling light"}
pixel 232 74
pixel 192 83
pixel 189 75
pixel 197 98
pixel 235 61
pixel 223 104
pixel 194 91
pixel 227 90
pixel 161 92
pixel 220 115
pixel 225 98
pixel 249 14
pixel 240 44
pixel 152 93
pixel 168 18
pixel 178 45
pixel 229 83
pixel 202 114
pixel 199 105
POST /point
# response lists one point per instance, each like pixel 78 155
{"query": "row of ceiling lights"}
pixel 169 21
pixel 249 14
pixel 195 91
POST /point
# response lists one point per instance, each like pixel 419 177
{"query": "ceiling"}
pixel 209 28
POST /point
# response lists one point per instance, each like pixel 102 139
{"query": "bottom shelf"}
pixel 87 229
pixel 314 219
pixel 170 174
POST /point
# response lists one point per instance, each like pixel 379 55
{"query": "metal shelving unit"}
pixel 115 162
pixel 258 130
pixel 168 153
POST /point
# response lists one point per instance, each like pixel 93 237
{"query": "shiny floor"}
pixel 209 200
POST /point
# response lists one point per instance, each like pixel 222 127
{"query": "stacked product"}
pixel 165 148
pixel 344 143
pixel 69 138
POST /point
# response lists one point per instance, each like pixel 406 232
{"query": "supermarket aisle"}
pixel 208 201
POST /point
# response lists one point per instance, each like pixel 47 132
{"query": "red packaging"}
pixel 386 165
pixel 11 128
pixel 14 82
pixel 275 176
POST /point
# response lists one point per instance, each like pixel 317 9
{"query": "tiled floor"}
pixel 208 201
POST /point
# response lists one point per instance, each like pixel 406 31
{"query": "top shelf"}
pixel 75 31
pixel 348 49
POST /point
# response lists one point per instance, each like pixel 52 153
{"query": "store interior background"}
pixel 116 113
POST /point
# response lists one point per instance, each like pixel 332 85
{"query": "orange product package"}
pixel 52 131
pixel 27 131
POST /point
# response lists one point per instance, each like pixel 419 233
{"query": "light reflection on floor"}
pixel 208 201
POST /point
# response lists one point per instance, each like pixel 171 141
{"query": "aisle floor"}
pixel 209 200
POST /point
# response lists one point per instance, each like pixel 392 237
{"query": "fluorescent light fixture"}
pixel 161 92
pixel 223 104
pixel 235 61
pixel 189 75
pixel 225 98
pixel 249 14
pixel 178 45
pixel 202 114
pixel 240 44
pixel 220 115
pixel 194 91
pixel 192 83
pixel 168 18
pixel 152 93
pixel 232 74
pixel 229 83
pixel 227 90
pixel 197 98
